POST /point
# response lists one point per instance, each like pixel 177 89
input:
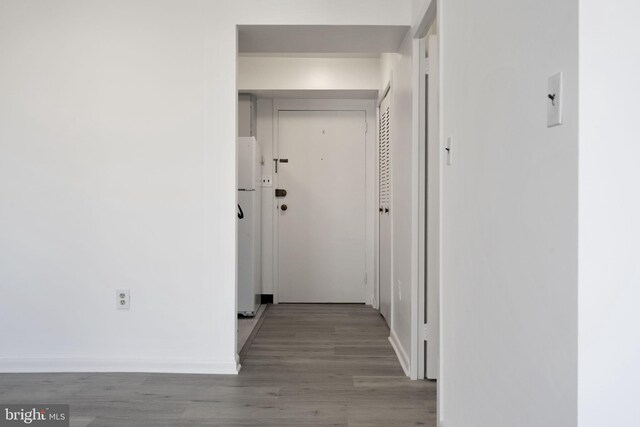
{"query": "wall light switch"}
pixel 554 100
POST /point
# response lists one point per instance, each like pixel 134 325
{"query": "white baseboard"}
pixel 372 302
pixel 403 358
pixel 173 366
pixel 238 365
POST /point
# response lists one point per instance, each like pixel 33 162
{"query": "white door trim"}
pixel 369 107
pixel 441 74
pixel 434 215
pixel 429 14
pixel 422 206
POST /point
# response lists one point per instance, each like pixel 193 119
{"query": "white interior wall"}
pixel 307 73
pixel 609 271
pixel 509 296
pixel 419 10
pixel 117 148
pixel 396 69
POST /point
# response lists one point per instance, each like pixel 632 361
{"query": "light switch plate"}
pixel 554 100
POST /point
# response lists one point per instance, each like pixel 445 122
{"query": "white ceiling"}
pixel 367 39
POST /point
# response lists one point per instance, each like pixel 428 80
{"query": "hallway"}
pixel 325 364
pixel 333 364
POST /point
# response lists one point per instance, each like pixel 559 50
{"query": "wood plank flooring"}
pixel 308 365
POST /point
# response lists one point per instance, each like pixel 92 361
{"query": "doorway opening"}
pixel 319 104
pixel 310 110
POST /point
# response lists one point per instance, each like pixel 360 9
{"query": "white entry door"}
pixel 321 220
pixel 384 230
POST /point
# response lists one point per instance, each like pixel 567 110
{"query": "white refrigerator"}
pixel 249 210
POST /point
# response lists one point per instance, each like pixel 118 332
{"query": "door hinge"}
pixel 365 278
pixel 425 332
pixel 366 127
pixel 426 66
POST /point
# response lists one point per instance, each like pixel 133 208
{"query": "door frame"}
pixel 371 198
pixel 430 209
pixel 429 15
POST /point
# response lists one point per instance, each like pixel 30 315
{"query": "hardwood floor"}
pixel 308 365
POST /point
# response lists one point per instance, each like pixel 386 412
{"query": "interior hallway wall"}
pixel 117 170
pixel 510 278
pixel 609 269
pixel 307 73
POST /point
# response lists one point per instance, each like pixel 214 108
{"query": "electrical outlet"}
pixel 266 181
pixel 122 299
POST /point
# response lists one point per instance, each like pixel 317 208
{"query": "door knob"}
pixel 283 207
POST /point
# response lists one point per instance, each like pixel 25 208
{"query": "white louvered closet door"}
pixel 384 176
